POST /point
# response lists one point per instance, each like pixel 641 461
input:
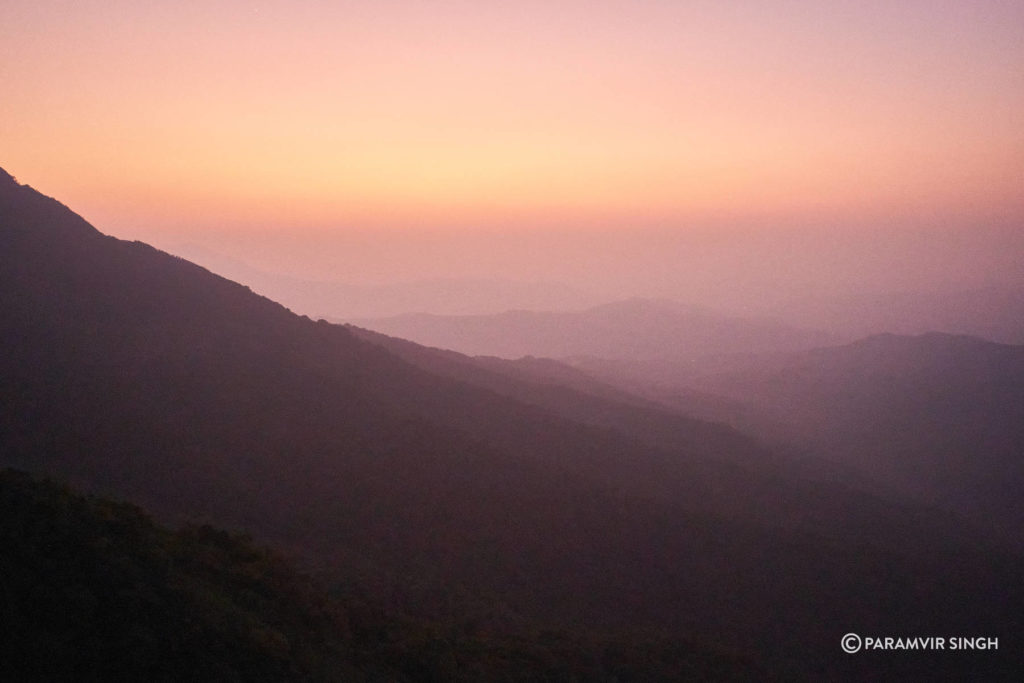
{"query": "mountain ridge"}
pixel 940 414
pixel 335 299
pixel 138 374
pixel 635 329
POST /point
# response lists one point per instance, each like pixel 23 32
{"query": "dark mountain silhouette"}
pixel 94 590
pixel 131 372
pixel 635 329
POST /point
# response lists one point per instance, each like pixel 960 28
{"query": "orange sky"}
pixel 148 116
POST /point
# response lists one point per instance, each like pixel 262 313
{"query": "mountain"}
pixel 565 391
pixel 476 499
pixel 993 313
pixel 98 591
pixel 94 590
pixel 938 416
pixel 336 300
pixel 635 329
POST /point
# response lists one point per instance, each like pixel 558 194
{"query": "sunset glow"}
pixel 466 115
pixel 511 340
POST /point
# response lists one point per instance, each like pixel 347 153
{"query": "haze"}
pixel 730 154
pixel 655 340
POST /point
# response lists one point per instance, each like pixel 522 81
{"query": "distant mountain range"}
pixel 503 498
pixel 340 300
pixel 993 313
pixel 936 415
pixel 634 329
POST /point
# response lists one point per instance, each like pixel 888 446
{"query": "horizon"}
pixel 707 153
pixel 512 341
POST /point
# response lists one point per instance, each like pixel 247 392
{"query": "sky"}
pixel 585 141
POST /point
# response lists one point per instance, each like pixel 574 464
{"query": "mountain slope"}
pixel 94 590
pixel 171 359
pixel 562 390
pixel 132 372
pixel 936 415
pixel 636 329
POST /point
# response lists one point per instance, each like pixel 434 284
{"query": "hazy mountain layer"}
pixel 995 313
pixel 327 299
pixel 935 415
pixel 635 329
pixel 133 372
